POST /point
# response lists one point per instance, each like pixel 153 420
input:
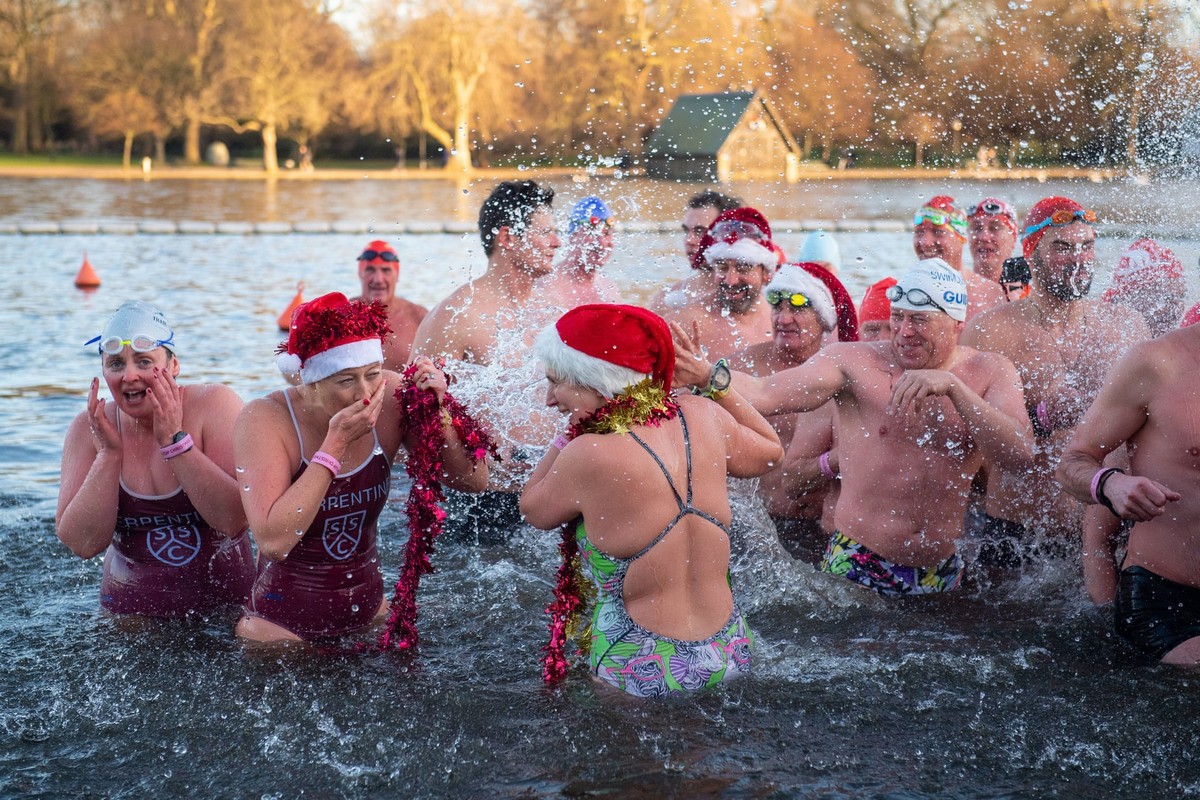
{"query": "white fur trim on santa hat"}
pixel 791 278
pixel 568 364
pixel 745 250
pixel 344 356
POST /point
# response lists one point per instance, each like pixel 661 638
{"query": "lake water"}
pixel 1016 688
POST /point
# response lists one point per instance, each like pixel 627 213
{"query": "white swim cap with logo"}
pixel 939 280
pixel 136 318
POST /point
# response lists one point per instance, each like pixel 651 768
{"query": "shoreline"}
pixel 576 174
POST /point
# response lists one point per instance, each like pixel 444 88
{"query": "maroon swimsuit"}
pixel 330 583
pixel 166 561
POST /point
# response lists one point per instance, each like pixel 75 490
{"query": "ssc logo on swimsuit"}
pixel 342 534
pixel 174 545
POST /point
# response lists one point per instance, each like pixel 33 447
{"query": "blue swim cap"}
pixel 587 213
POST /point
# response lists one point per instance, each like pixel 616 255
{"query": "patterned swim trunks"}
pixel 856 562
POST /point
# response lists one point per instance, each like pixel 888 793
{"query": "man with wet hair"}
pixel 940 231
pixel 1062 344
pixel 699 213
pixel 992 235
pixel 1147 405
pixel 741 259
pixel 917 414
pixel 379 272
pixel 516 226
pixel 485 329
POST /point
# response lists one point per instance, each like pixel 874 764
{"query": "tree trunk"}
pixel 270 137
pixel 460 156
pixel 160 149
pixel 127 154
pixel 191 140
pixel 919 153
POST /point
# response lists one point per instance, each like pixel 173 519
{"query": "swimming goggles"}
pixel 139 344
pixel 736 229
pixel 1060 218
pixel 917 297
pixel 795 299
pixel 992 208
pixel 951 219
pixel 594 223
pixel 385 255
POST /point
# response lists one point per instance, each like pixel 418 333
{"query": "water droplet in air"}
pixel 354 608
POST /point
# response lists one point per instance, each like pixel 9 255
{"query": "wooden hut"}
pixel 724 136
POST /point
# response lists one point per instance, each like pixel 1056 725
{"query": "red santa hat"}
pixel 608 347
pixel 330 334
pixel 843 304
pixel 740 234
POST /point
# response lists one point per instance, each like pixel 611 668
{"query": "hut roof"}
pixel 699 123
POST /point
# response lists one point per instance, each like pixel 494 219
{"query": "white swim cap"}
pixel 136 319
pixel 932 285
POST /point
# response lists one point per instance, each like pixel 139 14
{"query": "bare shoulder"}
pixel 997 320
pixel 218 396
pixel 1122 325
pixel 405 309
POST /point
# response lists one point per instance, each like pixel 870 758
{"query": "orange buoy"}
pixel 87 278
pixel 285 319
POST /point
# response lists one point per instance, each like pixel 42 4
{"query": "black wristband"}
pixel 1103 498
pixel 1039 430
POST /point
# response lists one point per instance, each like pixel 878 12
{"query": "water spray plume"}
pixel 87 278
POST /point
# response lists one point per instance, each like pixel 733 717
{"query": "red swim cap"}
pixel 1041 212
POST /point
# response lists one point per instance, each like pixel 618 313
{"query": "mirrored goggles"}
pixel 795 299
pixel 916 297
pixel 736 229
pixel 992 208
pixel 139 344
pixel 1060 218
pixel 386 255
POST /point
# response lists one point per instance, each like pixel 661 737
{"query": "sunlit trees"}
pixel 281 72
pixel 27 29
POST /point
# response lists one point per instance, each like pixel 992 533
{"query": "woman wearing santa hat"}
pixel 149 478
pixel 639 481
pixel 315 463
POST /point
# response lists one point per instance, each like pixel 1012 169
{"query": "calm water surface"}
pixel 1016 688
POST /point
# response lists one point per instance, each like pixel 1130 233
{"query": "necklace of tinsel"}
pixel 426 421
pixel 644 403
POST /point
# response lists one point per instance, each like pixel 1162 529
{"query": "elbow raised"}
pixel 82 549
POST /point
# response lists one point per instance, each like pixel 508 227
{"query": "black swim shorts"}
pixel 1155 614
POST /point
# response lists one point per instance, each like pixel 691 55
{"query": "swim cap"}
pixel 608 347
pixel 791 278
pixel 1191 317
pixel 941 282
pixel 821 247
pixel 136 318
pixel 740 234
pixel 330 334
pixel 941 212
pixel 587 214
pixel 875 306
pixel 1042 211
pixel 375 251
pixel 1140 265
pixel 994 207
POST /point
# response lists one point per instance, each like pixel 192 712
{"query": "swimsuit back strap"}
pixel 678 500
pixel 687 454
pixel 295 423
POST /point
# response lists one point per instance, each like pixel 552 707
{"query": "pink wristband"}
pixel 1043 418
pixel 560 441
pixel 177 448
pixel 327 461
pixel 1096 483
pixel 826 470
